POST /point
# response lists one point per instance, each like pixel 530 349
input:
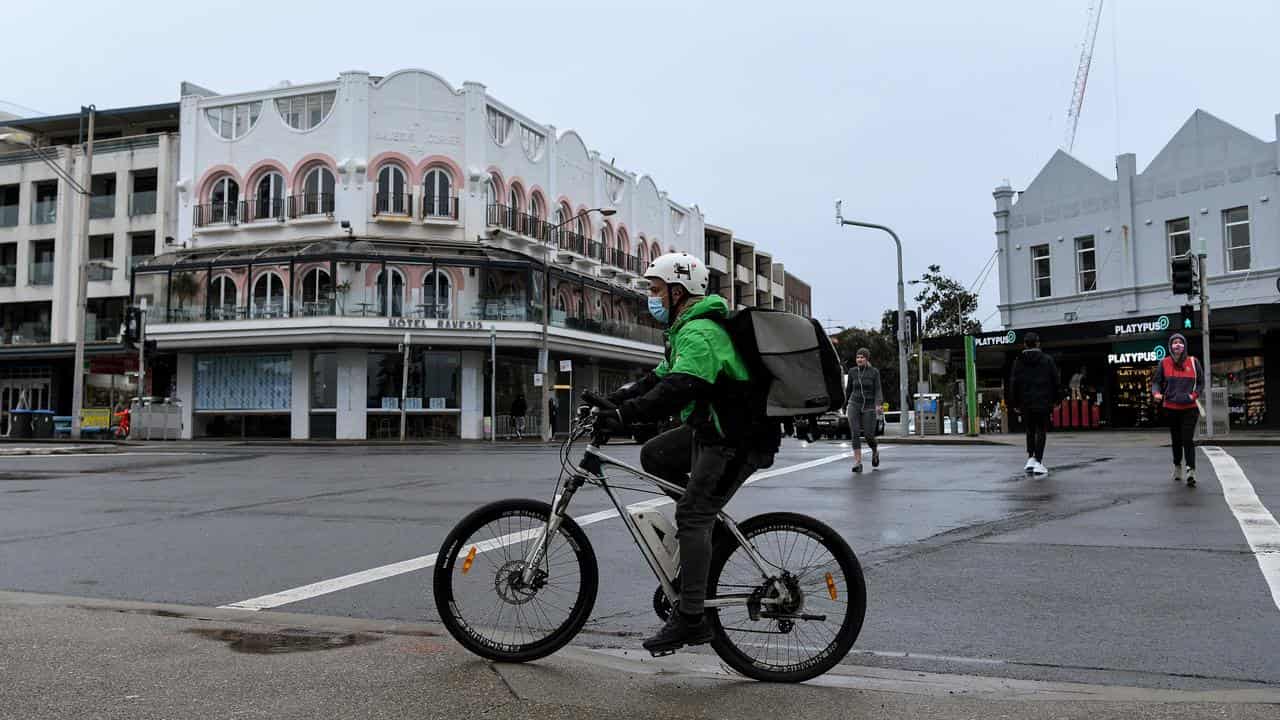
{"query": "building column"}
pixel 471 422
pixel 300 400
pixel 1004 203
pixel 352 393
pixel 186 382
pixel 1126 170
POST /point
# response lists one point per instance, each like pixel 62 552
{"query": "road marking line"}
pixel 1260 528
pixel 344 582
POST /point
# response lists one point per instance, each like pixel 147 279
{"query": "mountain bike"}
pixel 516 579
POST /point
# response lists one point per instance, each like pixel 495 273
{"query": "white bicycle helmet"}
pixel 680 269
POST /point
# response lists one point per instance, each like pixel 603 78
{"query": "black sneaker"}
pixel 1191 477
pixel 875 458
pixel 677 633
pixel 857 468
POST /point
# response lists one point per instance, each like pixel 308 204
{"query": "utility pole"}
pixel 404 379
pixel 142 351
pixel 82 283
pixel 493 384
pixel 903 363
pixel 1204 340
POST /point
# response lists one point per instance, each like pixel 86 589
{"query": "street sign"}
pixel 537 380
pixel 566 366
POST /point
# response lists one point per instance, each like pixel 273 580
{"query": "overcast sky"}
pixel 759 113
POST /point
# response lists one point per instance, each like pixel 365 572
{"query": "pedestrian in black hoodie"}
pixel 1033 391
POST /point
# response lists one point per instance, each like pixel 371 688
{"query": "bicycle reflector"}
pixel 471 558
pixel 831 586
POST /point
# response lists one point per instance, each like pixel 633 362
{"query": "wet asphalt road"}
pixel 1103 572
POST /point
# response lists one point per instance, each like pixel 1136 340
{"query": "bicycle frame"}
pixel 591 470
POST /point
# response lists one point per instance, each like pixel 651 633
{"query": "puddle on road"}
pixel 283 641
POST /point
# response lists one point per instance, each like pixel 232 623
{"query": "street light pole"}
pixel 82 282
pixel 902 315
pixel 544 355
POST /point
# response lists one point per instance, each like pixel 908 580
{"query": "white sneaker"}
pixel 1177 473
pixel 1040 469
pixel 1030 466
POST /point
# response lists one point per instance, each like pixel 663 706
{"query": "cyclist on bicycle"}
pixel 715 449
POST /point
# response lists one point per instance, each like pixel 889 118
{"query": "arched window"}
pixel 642 256
pixel 393 191
pixel 491 193
pixel 222 298
pixel 515 199
pixel 606 244
pixel 397 294
pixel 437 193
pixel 268 197
pixel 268 296
pixel 233 121
pixel 317 191
pixel 224 196
pixel 581 226
pixel 436 293
pixel 317 289
pixel 654 251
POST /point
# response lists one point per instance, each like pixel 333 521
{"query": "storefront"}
pixel 1106 367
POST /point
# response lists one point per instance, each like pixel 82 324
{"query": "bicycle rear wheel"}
pixel 482 597
pixel 811 631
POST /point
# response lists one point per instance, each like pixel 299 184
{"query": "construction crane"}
pixel 1082 73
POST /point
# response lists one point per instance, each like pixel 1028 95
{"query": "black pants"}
pixel 710 475
pixel 1182 430
pixel 1037 422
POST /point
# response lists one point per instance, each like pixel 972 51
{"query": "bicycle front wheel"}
pixel 797 635
pixel 482 594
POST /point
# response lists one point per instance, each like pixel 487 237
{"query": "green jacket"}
pixel 697 345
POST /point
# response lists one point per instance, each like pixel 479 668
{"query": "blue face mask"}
pixel 658 312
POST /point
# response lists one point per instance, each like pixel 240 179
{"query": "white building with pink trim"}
pixel 319 225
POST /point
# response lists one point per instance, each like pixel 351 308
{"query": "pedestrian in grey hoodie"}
pixel 865 404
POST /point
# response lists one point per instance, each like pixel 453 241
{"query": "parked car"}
pixel 832 426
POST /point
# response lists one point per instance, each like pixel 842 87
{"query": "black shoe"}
pixel 677 633
pixel 1191 477
pixel 857 468
pixel 875 458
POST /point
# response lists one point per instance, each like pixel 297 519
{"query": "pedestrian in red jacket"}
pixel 1177 385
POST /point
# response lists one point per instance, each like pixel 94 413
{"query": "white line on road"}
pixel 1258 524
pixel 344 582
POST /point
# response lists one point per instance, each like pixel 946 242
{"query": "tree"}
pixel 947 305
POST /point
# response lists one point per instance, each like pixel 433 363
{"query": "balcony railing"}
pixel 530 226
pixel 8 215
pixel 142 203
pixel 393 204
pixel 44 212
pixel 98 273
pixel 102 206
pixel 310 204
pixel 223 213
pixel 262 209
pixel 27 333
pixel 619 259
pixel 41 273
pixel 595 250
pixel 571 242
pixel 8 275
pixel 442 207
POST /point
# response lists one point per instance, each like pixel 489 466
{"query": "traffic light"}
pixel 913 326
pixel 131 330
pixel 1188 317
pixel 1184 275
pixel 149 346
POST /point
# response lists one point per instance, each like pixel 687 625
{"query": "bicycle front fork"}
pixel 559 510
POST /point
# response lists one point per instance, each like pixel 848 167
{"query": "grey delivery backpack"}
pixel 794 367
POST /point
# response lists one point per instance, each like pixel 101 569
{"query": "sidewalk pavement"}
pixel 86 658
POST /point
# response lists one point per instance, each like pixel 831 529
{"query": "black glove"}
pixel 610 421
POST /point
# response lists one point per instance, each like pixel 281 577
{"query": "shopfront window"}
pixel 434 380
pixel 243 382
pixel 324 381
pixel 1246 384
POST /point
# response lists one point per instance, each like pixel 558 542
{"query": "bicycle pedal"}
pixel 661 653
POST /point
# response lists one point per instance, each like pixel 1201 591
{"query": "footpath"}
pixel 67 658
